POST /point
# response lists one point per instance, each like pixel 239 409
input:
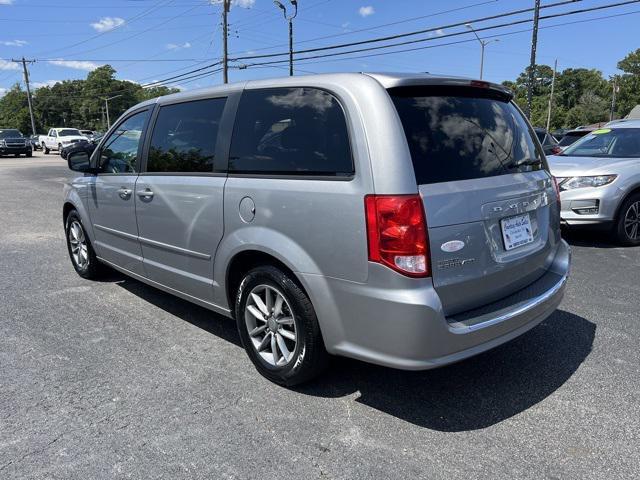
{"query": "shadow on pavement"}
pixel 200 317
pixel 473 394
pixel 589 237
pixel 476 393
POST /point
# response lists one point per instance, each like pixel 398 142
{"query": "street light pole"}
pixel 289 19
pixel 483 44
pixel 106 104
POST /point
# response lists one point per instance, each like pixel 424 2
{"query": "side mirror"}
pixel 79 162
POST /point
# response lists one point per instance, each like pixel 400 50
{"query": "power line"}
pixel 431 39
pixel 458 42
pixel 352 32
pixel 406 34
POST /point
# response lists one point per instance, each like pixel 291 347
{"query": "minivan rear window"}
pixel 464 133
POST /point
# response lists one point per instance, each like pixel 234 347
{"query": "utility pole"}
pixel 289 19
pixel 106 105
pixel 613 98
pixel 225 34
pixel 532 64
pixel 26 81
pixel 553 86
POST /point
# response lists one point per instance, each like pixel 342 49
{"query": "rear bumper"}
pixel 399 323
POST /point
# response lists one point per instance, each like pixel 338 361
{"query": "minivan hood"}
pixel 565 166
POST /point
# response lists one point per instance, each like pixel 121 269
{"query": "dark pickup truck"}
pixel 12 142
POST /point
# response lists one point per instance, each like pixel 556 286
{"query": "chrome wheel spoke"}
pixel 285 321
pixel 257 331
pixel 277 309
pixel 287 334
pixel 265 341
pixel 256 313
pixel 282 346
pixel 259 303
pixel 274 349
pixel 268 300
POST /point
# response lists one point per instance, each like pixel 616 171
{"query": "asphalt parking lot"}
pixel 115 379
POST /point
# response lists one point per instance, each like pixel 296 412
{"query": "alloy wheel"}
pixel 632 221
pixel 271 325
pixel 78 243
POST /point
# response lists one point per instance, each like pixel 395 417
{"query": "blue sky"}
pixel 148 40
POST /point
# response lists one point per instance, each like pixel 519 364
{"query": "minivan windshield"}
pixel 458 133
pixel 10 133
pixel 607 143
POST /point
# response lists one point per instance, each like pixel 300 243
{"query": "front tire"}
pixel 279 328
pixel 627 228
pixel 45 149
pixel 83 257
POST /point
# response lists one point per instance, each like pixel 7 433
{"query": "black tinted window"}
pixel 459 134
pixel 184 137
pixel 297 131
pixel 570 138
pixel 119 154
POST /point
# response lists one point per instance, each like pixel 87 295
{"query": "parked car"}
pixel 90 134
pixel 58 138
pixel 12 142
pixel 599 178
pixel 35 142
pixel 548 142
pixel 573 136
pixel 87 146
pixel 404 220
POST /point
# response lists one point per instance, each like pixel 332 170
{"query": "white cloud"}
pixel 366 11
pixel 75 64
pixel 107 23
pixel 3 91
pixel 46 83
pixel 439 32
pixel 345 24
pixel 7 65
pixel 14 43
pixel 178 46
pixel 6 2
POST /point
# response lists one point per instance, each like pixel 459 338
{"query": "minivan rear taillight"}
pixel 397 233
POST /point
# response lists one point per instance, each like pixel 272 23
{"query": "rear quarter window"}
pixel 290 131
pixel 464 133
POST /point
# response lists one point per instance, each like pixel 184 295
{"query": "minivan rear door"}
pixel 486 191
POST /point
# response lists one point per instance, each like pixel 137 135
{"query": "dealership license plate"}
pixel 516 231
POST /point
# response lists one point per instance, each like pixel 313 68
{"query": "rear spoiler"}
pixel 392 82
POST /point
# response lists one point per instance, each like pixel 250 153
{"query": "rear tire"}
pixel 627 227
pixel 285 343
pixel 83 257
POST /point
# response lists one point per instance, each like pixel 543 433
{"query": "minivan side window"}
pixel 119 152
pixel 184 137
pixel 290 131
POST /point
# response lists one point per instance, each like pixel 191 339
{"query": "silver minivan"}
pixel 404 220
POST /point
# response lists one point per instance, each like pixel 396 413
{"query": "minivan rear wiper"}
pixel 530 162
